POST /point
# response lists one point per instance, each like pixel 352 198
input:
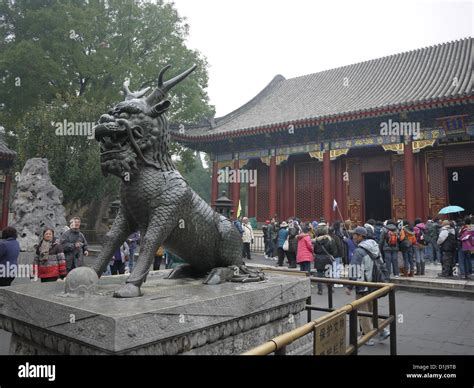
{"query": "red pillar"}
pixel 6 198
pixel 281 183
pixel 424 189
pixel 272 188
pixel 409 182
pixel 327 194
pixel 214 183
pixel 236 188
pixel 288 211
pixel 251 195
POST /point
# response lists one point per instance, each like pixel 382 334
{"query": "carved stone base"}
pixel 173 317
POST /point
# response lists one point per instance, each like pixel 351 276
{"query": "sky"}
pixel 248 42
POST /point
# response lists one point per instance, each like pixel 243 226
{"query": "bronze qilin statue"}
pixel 134 141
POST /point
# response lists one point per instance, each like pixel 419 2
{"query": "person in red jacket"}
pixel 304 256
pixel 49 263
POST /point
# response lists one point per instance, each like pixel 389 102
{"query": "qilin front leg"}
pixel 162 222
pixel 114 238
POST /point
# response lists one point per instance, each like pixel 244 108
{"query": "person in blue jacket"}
pixel 9 252
pixel 282 235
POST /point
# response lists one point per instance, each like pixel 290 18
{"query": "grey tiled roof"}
pixel 417 78
pixel 5 152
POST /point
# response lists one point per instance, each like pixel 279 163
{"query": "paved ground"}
pixel 427 323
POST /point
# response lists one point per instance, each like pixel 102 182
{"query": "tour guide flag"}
pixel 239 208
pixel 334 205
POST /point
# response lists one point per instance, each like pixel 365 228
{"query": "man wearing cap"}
pixel 361 267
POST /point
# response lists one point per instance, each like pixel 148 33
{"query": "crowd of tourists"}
pixel 381 250
pixel 404 246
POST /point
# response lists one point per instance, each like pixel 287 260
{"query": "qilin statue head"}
pixel 135 131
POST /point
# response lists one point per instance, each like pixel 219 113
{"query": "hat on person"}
pixel 267 221
pixel 283 224
pixel 445 223
pixel 361 231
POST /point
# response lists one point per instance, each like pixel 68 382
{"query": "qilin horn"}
pixel 164 87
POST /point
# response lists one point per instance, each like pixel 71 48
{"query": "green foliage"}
pixel 67 60
pixel 73 160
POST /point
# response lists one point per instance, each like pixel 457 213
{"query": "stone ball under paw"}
pixel 81 281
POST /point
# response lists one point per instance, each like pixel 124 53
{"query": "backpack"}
pixel 392 238
pixel 380 273
pixel 238 225
pixel 449 245
pixel 160 251
pixel 468 240
pixel 421 237
pixel 378 232
pixel 405 242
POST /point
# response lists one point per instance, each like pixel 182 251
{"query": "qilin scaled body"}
pixel 134 142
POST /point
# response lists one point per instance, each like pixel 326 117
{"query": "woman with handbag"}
pixel 282 243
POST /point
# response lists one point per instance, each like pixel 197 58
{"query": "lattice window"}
pixel 398 172
pixel 435 175
pixel 435 163
pixel 459 157
pixel 355 185
pixel 309 190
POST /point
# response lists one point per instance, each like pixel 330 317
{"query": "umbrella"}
pixel 451 209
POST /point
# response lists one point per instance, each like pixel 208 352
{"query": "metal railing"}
pixel 279 344
pixel 95 237
pixel 258 245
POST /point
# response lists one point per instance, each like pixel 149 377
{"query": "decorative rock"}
pixel 37 204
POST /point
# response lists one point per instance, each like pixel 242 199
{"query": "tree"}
pixel 73 159
pixel 67 60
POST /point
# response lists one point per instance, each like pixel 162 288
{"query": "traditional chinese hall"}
pixel 317 138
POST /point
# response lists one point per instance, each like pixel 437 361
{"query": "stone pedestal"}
pixel 173 317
